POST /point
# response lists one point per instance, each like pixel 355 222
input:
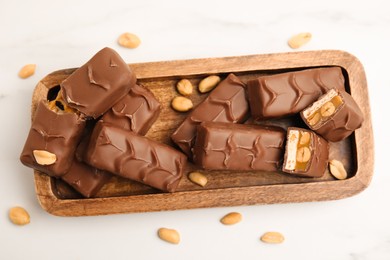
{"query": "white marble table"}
pixel 57 35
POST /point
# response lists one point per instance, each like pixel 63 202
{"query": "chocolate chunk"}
pixel 85 179
pixel 289 93
pixel 99 84
pixel 135 157
pixel 306 153
pixel 137 111
pixel 227 146
pixel 57 133
pixel 226 103
pixel 334 115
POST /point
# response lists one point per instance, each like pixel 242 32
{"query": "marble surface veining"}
pixel 56 35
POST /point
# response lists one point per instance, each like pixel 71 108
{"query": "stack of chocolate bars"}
pixel 94 126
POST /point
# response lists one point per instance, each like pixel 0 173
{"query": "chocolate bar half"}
pixel 289 93
pixel 97 85
pixel 306 153
pixel 85 179
pixel 137 111
pixel 132 156
pixel 334 115
pixel 226 103
pixel 54 135
pixel 227 146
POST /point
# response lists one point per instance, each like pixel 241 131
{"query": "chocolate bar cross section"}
pixel 132 156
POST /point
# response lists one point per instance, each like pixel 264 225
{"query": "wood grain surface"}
pixel 224 188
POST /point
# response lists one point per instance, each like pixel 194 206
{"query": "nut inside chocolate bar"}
pixel 321 110
pixel 299 150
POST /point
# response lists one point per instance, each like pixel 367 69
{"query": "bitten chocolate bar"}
pixel 85 179
pixel 96 86
pixel 53 138
pixel 137 111
pixel 226 146
pixel 135 157
pixel 226 103
pixel 289 93
pixel 306 153
pixel 334 115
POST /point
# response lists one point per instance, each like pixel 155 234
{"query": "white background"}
pixel 57 35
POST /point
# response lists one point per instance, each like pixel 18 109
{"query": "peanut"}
pixel 272 238
pixel 303 154
pixel 337 170
pixel 298 40
pixel 44 157
pixel 305 138
pixel 198 178
pixel 27 71
pixel 169 235
pixel 231 218
pixel 129 40
pixel 182 104
pixel 314 119
pixel 209 83
pixel 327 109
pixel 184 87
pixel 19 216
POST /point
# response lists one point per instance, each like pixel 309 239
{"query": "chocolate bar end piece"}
pixel 306 153
pixel 334 116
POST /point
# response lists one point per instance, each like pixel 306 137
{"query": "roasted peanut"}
pixel 272 238
pixel 19 216
pixel 231 218
pixel 182 104
pixel 337 169
pixel 184 87
pixel 44 157
pixel 129 40
pixel 327 109
pixel 209 83
pixel 303 154
pixel 305 138
pixel 169 235
pixel 298 40
pixel 27 71
pixel 198 178
pixel 314 119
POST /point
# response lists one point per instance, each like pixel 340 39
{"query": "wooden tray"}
pixel 224 188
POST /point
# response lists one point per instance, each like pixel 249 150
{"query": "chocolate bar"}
pixel 97 85
pixel 85 179
pixel 306 153
pixel 334 115
pixel 137 111
pixel 53 138
pixel 289 93
pixel 132 156
pixel 227 146
pixel 226 103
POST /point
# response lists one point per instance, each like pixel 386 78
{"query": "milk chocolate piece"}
pixel 96 86
pixel 137 111
pixel 85 179
pixel 226 103
pixel 227 146
pixel 289 93
pixel 54 132
pixel 334 115
pixel 132 156
pixel 306 153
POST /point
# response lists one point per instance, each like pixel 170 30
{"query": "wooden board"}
pixel 224 188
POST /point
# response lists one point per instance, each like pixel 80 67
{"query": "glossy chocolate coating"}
pixel 226 103
pixel 135 157
pixel 319 156
pixel 227 146
pixel 289 93
pixel 97 85
pixel 56 133
pixel 342 123
pixel 137 111
pixel 85 179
